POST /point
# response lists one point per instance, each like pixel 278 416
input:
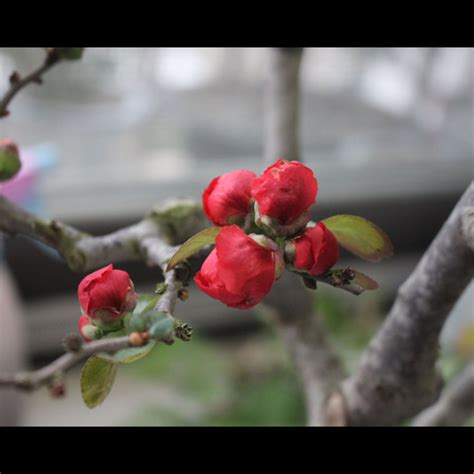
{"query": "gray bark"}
pixel 282 105
pixel 397 376
pixel 456 404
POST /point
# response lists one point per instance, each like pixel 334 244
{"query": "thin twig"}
pixel 16 83
pixel 35 379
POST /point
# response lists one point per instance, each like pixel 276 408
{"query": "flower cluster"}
pixel 265 224
pixel 105 296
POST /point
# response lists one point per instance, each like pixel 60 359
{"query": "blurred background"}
pixel 388 132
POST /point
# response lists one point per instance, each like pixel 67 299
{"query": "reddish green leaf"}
pixel 360 236
pixel 364 280
pixel 194 244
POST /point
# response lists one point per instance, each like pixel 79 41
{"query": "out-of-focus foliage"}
pixel 250 381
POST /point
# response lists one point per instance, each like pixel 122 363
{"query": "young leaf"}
pixel 97 378
pixel 193 244
pixel 360 236
pixel 364 280
pixel 129 354
pixel 347 279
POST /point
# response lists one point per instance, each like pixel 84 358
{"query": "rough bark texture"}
pixel 397 376
pixel 456 404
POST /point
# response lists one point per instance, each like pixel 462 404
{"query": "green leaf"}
pixel 129 354
pixel 97 378
pixel 193 244
pixel 360 236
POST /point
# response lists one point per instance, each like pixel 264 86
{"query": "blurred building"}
pixel 387 131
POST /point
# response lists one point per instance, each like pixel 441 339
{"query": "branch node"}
pixel 72 343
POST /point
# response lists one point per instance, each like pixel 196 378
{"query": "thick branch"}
pixel 456 404
pixel 16 83
pixel 282 105
pixel 397 376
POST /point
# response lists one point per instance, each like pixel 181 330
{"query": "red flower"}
pixel 106 295
pixel 227 198
pixel 316 251
pixel 285 190
pixel 239 271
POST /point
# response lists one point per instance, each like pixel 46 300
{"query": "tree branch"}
pixel 16 83
pixel 397 376
pixel 456 404
pixel 289 303
pixel 146 240
pixel 282 105
pixel 35 379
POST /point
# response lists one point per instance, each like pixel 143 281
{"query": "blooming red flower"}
pixel 227 198
pixel 239 271
pixel 106 295
pixel 285 190
pixel 316 251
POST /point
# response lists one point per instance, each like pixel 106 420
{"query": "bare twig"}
pixel 35 379
pixel 289 303
pixel 456 404
pixel 17 83
pixel 397 376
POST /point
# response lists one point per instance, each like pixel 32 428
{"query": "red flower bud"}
pixel 107 295
pixel 239 271
pixel 285 190
pixel 57 390
pixel 316 251
pixel 227 198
